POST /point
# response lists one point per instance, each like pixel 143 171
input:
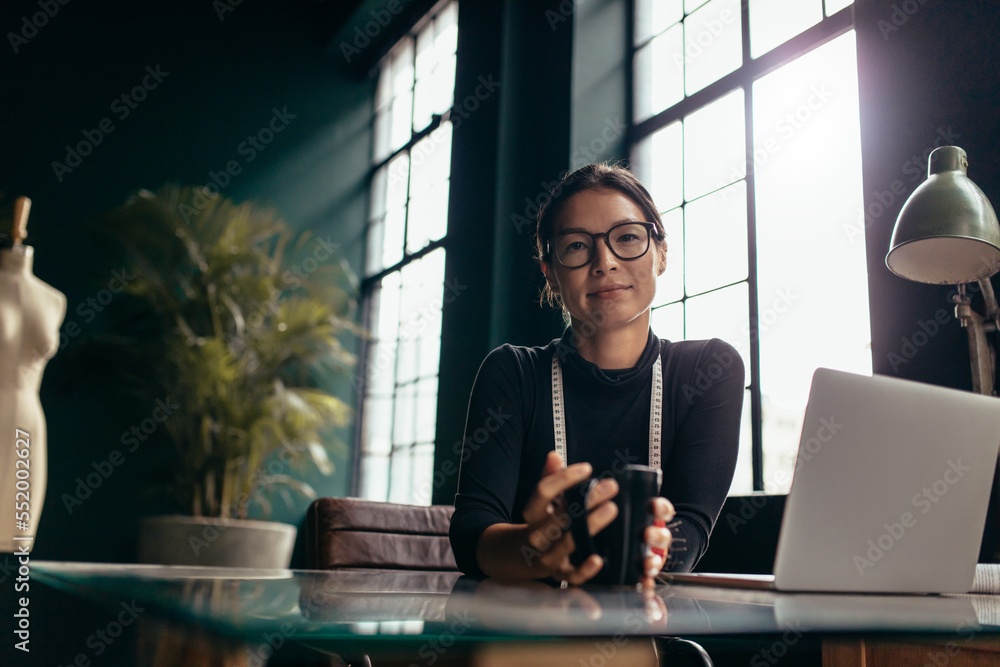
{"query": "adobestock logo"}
pixel 122 106
pixel 384 357
pixel 924 501
pixel 589 153
pixel 249 149
pixel 910 345
pixel 363 35
pixel 30 25
pixel 223 7
pixel 697 43
pixel 104 469
pixel 464 449
pixel 900 14
pixel 565 11
pixel 794 119
pixel 914 167
pixel 91 306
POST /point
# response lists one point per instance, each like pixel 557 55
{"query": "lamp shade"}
pixel 947 232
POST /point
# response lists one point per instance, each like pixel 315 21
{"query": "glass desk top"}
pixel 330 606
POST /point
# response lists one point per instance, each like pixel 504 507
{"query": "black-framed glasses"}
pixel 626 240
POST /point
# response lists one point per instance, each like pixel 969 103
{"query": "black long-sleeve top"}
pixel 509 432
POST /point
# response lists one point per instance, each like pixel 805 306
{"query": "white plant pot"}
pixel 187 540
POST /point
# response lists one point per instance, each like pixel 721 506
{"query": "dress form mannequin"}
pixel 31 313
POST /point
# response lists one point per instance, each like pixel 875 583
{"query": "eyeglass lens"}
pixel 627 241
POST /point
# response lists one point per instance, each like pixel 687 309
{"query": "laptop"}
pixel 890 490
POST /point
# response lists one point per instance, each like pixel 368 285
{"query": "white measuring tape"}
pixel 655 411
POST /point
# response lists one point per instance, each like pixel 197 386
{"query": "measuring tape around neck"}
pixel 655 411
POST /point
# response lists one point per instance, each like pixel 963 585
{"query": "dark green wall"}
pixel 221 81
pixel 224 79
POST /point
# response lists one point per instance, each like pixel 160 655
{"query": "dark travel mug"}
pixel 621 544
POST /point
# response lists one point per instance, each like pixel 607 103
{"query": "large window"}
pixel 404 266
pixel 746 131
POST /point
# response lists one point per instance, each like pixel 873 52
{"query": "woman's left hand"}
pixel 658 537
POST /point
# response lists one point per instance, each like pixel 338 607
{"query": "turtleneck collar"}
pixel 570 357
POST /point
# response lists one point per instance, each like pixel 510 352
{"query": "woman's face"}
pixel 609 292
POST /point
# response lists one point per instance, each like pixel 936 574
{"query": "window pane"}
pixel 378 419
pixel 406 365
pixel 834 6
pixel 782 426
pixel 654 16
pixel 431 158
pixel 447 29
pixel 421 303
pixel 691 5
pixel 399 176
pixel 659 74
pixel 380 368
pixel 713 44
pixel 721 314
pixel 375 473
pixel 376 235
pixel 668 322
pixel 379 193
pixel 423 104
pixel 395 219
pixel 402 112
pixel 392 248
pixel 404 416
pixel 670 284
pixel 774 22
pixel 810 184
pixel 380 363
pixel 426 55
pixel 443 88
pixel 434 94
pixel 659 163
pixel 376 228
pixel 430 345
pixel 401 476
pixel 383 134
pixel 428 216
pixel 714 146
pixel 427 391
pixel 422 474
pixel 402 68
pixel 386 309
pixel 715 239
pixel 383 91
pixel 426 63
pixel 435 67
pixel 743 475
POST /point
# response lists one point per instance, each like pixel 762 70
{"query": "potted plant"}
pixel 239 327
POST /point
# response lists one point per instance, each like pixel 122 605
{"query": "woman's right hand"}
pixel 548 519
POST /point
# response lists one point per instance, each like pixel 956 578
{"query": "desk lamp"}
pixel 947 234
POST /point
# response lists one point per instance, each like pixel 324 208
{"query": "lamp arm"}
pixel 980 351
pixel 990 301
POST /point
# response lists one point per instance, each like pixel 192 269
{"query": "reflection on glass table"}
pixel 368 608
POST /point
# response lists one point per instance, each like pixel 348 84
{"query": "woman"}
pixel 601 246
